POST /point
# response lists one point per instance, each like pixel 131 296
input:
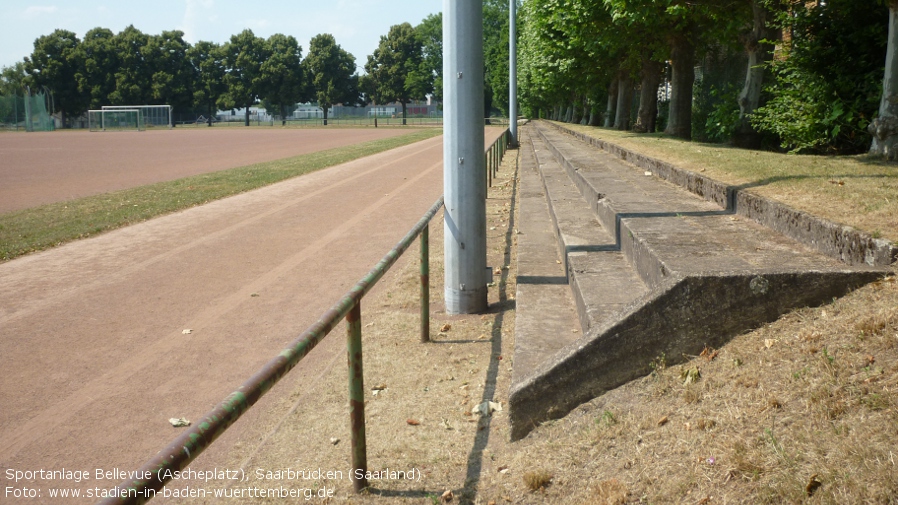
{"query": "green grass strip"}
pixel 26 231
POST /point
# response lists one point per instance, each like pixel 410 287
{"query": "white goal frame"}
pixel 152 115
pixel 101 125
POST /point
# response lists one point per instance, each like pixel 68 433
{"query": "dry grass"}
pixel 853 190
pixel 803 410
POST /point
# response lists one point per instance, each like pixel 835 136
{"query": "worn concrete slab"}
pixel 544 305
pixel 664 272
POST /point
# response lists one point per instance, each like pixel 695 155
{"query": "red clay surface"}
pixel 93 356
pixel 47 167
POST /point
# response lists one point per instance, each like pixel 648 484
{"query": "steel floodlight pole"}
pixel 464 183
pixel 513 72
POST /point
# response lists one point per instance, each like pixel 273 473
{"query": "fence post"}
pixel 356 396
pixel 425 284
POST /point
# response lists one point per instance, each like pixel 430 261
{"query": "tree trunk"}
pixel 403 114
pixel 750 97
pixel 325 108
pixel 682 78
pixel 648 96
pixel 885 127
pixel 612 101
pixel 624 102
pixel 569 112
pixel 586 112
pixel 594 115
pixel 246 118
pixel 576 115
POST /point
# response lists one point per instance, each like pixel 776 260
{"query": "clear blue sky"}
pixel 356 24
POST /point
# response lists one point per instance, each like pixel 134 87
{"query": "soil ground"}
pixel 47 167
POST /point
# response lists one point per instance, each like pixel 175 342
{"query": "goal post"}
pixel 115 120
pixel 152 116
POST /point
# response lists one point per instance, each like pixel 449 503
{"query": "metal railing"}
pixel 494 155
pixel 190 444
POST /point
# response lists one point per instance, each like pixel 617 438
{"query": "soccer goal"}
pixel 115 120
pixel 152 116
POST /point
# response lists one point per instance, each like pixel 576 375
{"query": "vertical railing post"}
pixel 356 396
pixel 425 284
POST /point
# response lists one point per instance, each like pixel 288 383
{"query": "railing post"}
pixel 425 284
pixel 356 396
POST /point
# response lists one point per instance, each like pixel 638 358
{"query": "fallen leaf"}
pixel 179 422
pixel 770 342
pixel 690 375
pixel 664 420
pixel 379 387
pixel 412 422
pixel 813 484
pixel 335 441
pixel 447 496
pixel 446 327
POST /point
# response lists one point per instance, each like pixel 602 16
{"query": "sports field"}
pixel 40 168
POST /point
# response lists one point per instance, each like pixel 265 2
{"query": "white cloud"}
pixel 193 17
pixel 35 11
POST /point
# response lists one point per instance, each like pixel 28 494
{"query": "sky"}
pixel 357 25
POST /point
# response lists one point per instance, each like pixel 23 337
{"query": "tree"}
pixel 244 55
pixel 12 79
pixel 172 75
pixel 331 71
pixel 55 62
pixel 430 33
pixel 207 60
pixel 398 68
pixel 495 55
pixel 134 77
pixel 757 44
pixel 282 76
pixel 826 82
pixel 884 128
pixel 96 78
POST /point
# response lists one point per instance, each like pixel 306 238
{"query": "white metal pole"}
pixel 513 71
pixel 464 165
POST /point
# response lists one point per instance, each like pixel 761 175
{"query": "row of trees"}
pixel 132 67
pixel 804 75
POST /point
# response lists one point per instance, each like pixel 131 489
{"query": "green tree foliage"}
pixel 12 79
pixel 828 80
pixel 55 63
pixel 172 74
pixel 495 56
pixel 134 77
pixel 331 70
pixel 398 69
pixel 430 33
pixel 207 60
pixel 282 79
pixel 100 61
pixel 244 55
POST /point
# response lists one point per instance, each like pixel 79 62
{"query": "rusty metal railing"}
pixel 493 157
pixel 189 445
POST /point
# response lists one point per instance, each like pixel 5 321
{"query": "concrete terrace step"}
pixel 544 307
pixel 592 258
pixel 655 270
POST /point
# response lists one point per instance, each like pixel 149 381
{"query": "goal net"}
pixel 115 120
pixel 153 116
